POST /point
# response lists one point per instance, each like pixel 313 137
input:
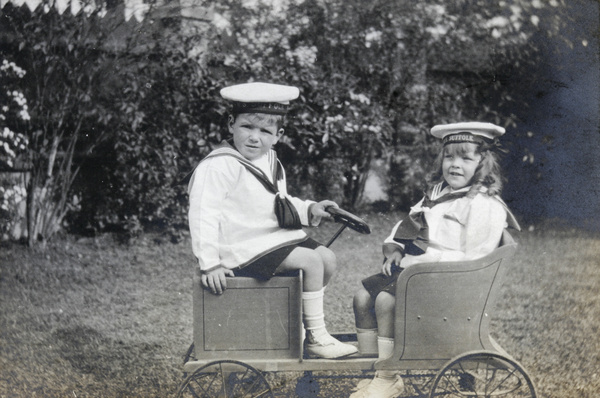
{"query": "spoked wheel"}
pixel 417 383
pixel 189 356
pixel 225 379
pixel 482 374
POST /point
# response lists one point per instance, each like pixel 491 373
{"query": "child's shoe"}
pixel 319 343
pixel 362 384
pixel 380 387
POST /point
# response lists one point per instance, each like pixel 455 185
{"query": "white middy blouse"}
pixel 460 229
pixel 231 216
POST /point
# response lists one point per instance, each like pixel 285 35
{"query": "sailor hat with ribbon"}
pixel 258 97
pixel 475 132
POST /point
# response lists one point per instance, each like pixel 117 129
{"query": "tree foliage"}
pixel 375 77
pixel 14 116
pixel 65 70
pixel 167 118
pixel 120 111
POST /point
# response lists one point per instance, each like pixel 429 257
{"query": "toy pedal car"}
pixel 442 338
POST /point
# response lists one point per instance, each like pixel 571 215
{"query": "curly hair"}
pixel 487 174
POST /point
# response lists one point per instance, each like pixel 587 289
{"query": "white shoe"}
pixel 362 384
pixel 380 387
pixel 357 391
pixel 323 345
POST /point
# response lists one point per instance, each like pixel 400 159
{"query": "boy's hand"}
pixel 318 209
pixel 215 281
pixel 393 260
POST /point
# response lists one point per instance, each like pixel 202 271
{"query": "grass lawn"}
pixel 90 317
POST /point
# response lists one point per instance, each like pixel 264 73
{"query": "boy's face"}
pixel 459 164
pixel 254 134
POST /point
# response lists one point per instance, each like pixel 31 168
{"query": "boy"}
pixel 235 227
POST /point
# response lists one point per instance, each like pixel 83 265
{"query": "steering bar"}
pixel 347 220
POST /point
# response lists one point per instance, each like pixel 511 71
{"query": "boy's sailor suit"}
pixel 234 222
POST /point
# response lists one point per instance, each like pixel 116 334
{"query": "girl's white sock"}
pixel 367 341
pixel 386 349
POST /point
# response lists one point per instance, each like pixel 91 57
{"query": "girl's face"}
pixel 459 164
pixel 254 135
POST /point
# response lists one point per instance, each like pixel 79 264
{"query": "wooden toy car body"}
pixel 443 314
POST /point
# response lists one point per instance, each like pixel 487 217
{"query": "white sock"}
pixel 386 349
pixel 312 310
pixel 367 341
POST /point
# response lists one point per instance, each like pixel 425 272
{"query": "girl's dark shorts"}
pixel 378 283
pixel 264 267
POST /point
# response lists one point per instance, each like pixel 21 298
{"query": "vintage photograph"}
pixel 300 198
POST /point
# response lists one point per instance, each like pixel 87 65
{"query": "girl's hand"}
pixel 318 209
pixel 393 260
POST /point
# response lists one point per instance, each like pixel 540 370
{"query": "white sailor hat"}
pixel 260 97
pixel 475 132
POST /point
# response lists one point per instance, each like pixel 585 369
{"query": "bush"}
pixel 125 110
pixel 14 116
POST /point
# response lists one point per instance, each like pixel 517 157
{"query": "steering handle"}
pixel 349 220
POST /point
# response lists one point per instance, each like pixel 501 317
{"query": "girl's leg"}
pixel 320 342
pixel 387 383
pixel 385 304
pixel 366 323
pixel 364 310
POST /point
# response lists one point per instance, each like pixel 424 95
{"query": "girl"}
pixel 460 218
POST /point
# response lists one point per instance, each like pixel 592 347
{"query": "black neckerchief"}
pixel 413 231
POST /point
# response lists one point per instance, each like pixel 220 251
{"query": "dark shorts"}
pixel 378 283
pixel 264 267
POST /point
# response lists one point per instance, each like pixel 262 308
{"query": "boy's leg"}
pixel 329 263
pixel 309 261
pixel 311 264
pixel 320 342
